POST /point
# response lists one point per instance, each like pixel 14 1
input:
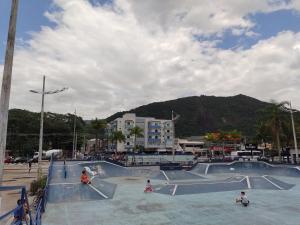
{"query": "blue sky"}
pixel 31 18
pixel 115 52
pixel 267 25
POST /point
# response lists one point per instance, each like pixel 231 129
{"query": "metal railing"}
pixel 41 207
pixel 24 200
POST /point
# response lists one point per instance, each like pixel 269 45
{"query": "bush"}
pixel 38 184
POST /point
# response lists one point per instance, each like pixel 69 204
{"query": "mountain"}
pixel 202 114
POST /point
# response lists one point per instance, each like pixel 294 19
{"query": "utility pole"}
pixel 173 149
pixel 39 173
pixel 43 93
pixel 74 138
pixel 6 82
pixel 294 133
pixel 84 144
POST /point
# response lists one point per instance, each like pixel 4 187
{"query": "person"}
pixel 26 211
pixel 18 213
pixel 148 187
pixel 243 199
pixel 84 177
pixel 29 166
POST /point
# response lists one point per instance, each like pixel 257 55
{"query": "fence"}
pixel 43 201
pixel 24 200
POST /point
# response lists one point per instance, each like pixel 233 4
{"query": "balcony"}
pixel 154 141
pixel 154 126
pixel 154 133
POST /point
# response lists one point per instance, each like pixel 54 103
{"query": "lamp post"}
pixel 291 110
pixel 6 82
pixel 74 138
pixel 43 93
pixel 294 133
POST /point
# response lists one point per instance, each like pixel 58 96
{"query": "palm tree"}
pixel 223 137
pixel 235 135
pixel 137 132
pixel 274 120
pixel 98 126
pixel 262 134
pixel 117 137
pixel 210 138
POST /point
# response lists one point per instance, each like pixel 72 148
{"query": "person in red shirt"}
pixel 84 178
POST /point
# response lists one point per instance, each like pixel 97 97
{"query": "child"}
pixel 84 178
pixel 148 187
pixel 243 199
pixel 18 213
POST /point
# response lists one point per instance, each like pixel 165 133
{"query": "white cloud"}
pixel 118 57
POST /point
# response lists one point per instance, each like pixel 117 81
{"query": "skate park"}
pixel 200 193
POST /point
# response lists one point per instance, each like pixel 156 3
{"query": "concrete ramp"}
pixel 107 169
pixel 230 184
pixel 180 175
pixel 203 187
pixel 249 168
pixel 268 182
pixel 73 192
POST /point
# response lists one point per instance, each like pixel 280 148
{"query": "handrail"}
pixel 43 201
pixel 41 205
pixel 23 198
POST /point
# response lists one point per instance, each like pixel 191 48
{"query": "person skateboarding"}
pixel 243 199
pixel 84 178
pixel 148 187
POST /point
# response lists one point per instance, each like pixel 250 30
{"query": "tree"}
pixel 136 132
pixel 235 136
pixel 274 119
pixel 117 136
pixel 223 137
pixel 98 126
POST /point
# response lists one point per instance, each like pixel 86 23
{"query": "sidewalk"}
pixel 17 175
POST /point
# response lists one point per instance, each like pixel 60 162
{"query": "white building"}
pixel 157 133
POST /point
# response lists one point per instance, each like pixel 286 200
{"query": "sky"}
pixel 115 55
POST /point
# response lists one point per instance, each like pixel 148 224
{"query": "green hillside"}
pixel 201 114
pixel 198 115
pixel 23 131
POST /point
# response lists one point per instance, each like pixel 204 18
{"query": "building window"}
pixel 156 137
pixel 155 130
pixel 128 136
pixel 168 131
pixel 128 143
pixel 168 137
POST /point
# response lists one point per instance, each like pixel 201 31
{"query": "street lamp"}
pixel 43 93
pixel 291 110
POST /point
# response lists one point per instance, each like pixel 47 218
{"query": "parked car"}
pixel 9 159
pixel 20 160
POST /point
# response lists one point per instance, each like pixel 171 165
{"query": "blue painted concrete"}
pixel 208 201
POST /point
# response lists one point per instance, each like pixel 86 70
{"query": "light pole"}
pixel 6 82
pixel 294 132
pixel 74 138
pixel 43 93
pixel 291 110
